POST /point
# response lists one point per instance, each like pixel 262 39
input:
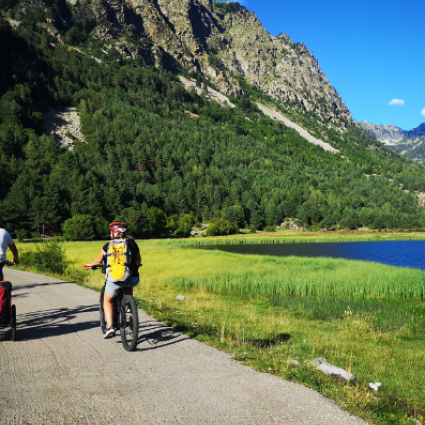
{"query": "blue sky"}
pixel 372 52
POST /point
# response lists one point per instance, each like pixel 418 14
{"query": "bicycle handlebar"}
pixel 88 266
pixel 9 264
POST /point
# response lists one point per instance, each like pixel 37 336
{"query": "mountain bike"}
pixel 126 316
pixel 8 314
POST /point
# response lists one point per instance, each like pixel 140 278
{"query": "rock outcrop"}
pixel 321 364
pixel 64 125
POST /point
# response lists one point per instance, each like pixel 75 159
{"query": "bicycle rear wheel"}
pixel 130 329
pixel 101 312
pixel 13 322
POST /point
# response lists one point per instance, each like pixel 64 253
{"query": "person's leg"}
pixel 111 291
pixel 108 308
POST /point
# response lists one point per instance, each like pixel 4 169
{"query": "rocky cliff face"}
pixel 166 33
pixel 280 68
pixel 410 143
pixel 221 40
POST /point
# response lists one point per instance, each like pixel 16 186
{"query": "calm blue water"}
pixel 396 253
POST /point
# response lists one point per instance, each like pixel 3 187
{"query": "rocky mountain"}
pixel 221 41
pixel 410 143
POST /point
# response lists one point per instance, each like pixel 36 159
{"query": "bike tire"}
pixel 130 329
pixel 102 319
pixel 13 323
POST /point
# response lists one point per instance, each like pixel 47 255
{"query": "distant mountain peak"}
pixel 418 131
pixel 410 143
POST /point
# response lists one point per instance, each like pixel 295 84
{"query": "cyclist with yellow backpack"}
pixel 121 259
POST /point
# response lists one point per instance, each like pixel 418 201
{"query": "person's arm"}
pixel 15 253
pixel 98 260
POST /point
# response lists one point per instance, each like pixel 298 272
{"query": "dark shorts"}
pixel 1 270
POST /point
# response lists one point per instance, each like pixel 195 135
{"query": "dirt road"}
pixel 61 371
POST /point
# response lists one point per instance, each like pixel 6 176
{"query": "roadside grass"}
pixel 364 317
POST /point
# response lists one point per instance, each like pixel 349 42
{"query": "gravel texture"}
pixel 61 371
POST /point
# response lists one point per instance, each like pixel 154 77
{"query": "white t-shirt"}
pixel 5 241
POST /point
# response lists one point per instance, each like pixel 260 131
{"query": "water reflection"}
pixel 396 253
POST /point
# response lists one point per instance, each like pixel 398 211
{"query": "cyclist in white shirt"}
pixel 6 241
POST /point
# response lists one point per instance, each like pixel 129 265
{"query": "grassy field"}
pixel 364 317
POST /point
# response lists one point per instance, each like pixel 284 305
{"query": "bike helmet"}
pixel 118 226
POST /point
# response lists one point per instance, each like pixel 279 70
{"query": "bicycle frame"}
pixel 125 317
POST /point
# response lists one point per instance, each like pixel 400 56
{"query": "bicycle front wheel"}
pixel 130 329
pixel 102 319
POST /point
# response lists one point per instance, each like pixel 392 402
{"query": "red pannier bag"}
pixel 5 302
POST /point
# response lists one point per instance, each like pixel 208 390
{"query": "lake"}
pixel 396 253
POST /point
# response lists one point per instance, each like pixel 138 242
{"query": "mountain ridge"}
pixel 221 41
pixel 408 142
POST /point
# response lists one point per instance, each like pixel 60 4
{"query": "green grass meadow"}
pixel 265 311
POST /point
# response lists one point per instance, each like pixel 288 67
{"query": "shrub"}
pixel 186 222
pixel 220 227
pixel 21 234
pixel 47 257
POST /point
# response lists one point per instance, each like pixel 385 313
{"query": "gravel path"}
pixel 61 371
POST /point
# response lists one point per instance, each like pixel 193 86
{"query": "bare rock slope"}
pixel 64 125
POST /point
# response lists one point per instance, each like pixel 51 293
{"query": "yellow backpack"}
pixel 118 259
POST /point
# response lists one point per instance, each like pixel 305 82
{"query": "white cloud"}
pixel 397 102
pixel 423 112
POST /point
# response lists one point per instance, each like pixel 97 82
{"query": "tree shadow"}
pixel 16 288
pixel 55 322
pixel 23 295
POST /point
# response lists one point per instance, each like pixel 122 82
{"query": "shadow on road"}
pixel 17 288
pixel 55 322
pixel 158 335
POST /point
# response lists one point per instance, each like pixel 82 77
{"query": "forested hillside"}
pixel 159 156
